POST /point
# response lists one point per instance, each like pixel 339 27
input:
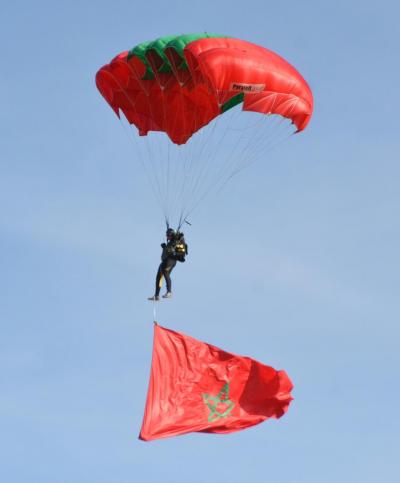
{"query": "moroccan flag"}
pixel 195 386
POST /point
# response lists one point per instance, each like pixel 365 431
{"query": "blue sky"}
pixel 302 271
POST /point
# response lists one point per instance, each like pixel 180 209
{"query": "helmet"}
pixel 170 232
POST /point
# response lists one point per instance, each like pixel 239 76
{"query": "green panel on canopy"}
pixel 176 42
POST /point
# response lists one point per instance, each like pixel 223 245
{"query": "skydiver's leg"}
pixel 169 265
pixel 159 280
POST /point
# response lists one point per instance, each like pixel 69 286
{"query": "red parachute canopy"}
pixel 179 84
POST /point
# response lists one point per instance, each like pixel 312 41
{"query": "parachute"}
pixel 187 95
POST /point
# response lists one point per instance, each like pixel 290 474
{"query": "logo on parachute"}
pixel 240 87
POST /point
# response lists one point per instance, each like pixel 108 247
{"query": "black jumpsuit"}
pixel 167 264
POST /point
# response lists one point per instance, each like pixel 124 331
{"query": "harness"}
pixel 178 248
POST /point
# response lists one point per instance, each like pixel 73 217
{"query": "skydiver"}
pixel 174 250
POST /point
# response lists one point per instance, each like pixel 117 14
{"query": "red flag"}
pixel 195 386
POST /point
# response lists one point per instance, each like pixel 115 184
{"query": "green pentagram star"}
pixel 212 403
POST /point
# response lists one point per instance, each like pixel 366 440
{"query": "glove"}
pixel 163 245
